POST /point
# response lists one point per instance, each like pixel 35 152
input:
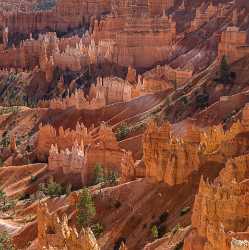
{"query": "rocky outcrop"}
pixel 204 14
pixel 66 14
pixel 165 77
pixel 68 161
pixel 135 33
pixel 170 159
pixel 81 159
pixel 233 44
pixel 104 151
pixel 48 136
pixel 78 101
pixel 48 52
pixel 113 89
pixel 55 233
pixel 220 213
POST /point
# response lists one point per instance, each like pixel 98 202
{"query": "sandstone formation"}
pixel 113 89
pixel 67 161
pixel 49 52
pixel 168 158
pixel 204 13
pixel 66 14
pixel 154 79
pixel 233 44
pixel 134 34
pixel 55 233
pixel 129 99
pixel 220 213
pixel 48 136
pixel 104 151
pixel 80 159
pixel 78 101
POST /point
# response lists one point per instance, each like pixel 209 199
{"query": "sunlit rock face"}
pixel 135 31
pixel 220 213
pixel 233 44
pixel 55 233
pixel 167 158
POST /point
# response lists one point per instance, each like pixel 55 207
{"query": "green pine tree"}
pixel 99 176
pixel 85 208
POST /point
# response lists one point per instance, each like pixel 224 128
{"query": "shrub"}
pixel 179 246
pixel 33 178
pixel 225 73
pixel 5 242
pixel 44 5
pixel 185 210
pixel 163 217
pixel 3 198
pixel 154 232
pixel 175 229
pixel 85 208
pixel 111 178
pixel 122 132
pixel 1 162
pixel 161 231
pixel 202 100
pixel 97 229
pixel 52 189
pixel 98 174
pixel 5 141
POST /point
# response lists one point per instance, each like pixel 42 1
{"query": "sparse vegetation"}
pixel 52 189
pixel 5 141
pixel 225 72
pixel 44 5
pixel 85 208
pixel 175 229
pixel 1 161
pixel 33 178
pixel 202 100
pixel 5 242
pixel 185 210
pixel 122 132
pixel 7 110
pixel 179 246
pixel 154 232
pixel 99 176
pixel 3 198
pixel 6 204
pixel 112 178
pixel 97 229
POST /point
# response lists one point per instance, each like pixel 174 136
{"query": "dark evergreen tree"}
pixel 225 73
